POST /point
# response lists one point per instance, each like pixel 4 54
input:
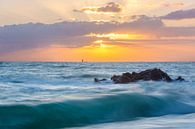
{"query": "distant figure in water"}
pixel 82 60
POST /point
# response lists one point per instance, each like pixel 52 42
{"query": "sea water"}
pixel 64 95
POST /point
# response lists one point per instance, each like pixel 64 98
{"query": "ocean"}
pixel 64 95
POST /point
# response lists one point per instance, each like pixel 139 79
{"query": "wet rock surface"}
pixel 147 75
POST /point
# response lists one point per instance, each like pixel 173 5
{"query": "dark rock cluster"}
pixel 147 75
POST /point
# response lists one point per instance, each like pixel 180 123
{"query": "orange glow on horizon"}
pixel 121 36
pixel 102 52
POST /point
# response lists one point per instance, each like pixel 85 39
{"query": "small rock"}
pixel 180 79
pixel 99 80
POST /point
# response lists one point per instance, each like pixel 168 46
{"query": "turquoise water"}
pixel 63 95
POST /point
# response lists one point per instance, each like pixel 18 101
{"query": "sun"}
pixel 103 45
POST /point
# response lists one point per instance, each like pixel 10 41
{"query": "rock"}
pixel 180 79
pixel 147 75
pixel 121 79
pixel 99 80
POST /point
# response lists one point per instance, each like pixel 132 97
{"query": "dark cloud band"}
pixel 180 14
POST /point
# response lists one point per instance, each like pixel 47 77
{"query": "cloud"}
pixel 111 7
pixel 174 5
pixel 180 14
pixel 29 36
pixel 73 34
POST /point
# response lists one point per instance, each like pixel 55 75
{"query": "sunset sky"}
pixel 97 30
